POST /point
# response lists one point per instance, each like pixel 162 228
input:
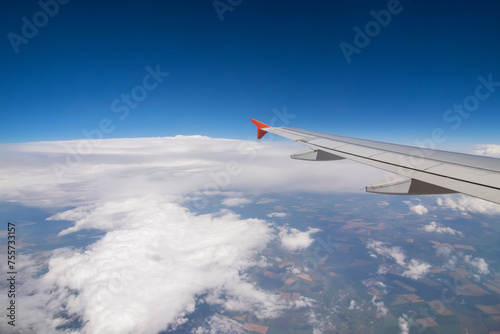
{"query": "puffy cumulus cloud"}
pixel 321 323
pixel 381 309
pixel 414 269
pixel 395 252
pixel 382 204
pixel 404 324
pixel 469 204
pixel 157 251
pixel 39 303
pixel 293 239
pixel 380 285
pixel 438 228
pixel 277 214
pixel 444 251
pixel 243 297
pixel 419 209
pixel 353 305
pixel 236 201
pixel 490 150
pixel 451 264
pixel 477 264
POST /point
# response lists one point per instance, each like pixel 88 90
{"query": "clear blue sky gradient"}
pixel 262 55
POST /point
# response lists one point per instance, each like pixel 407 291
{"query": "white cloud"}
pixel 469 204
pixel 380 285
pixel 154 249
pixel 277 214
pixel 490 150
pixel 380 306
pixel 293 239
pixel 267 201
pixel 54 174
pixel 395 252
pixel 353 305
pixel 444 251
pixel 437 228
pixel 414 269
pixel 383 204
pixel 419 209
pixel 477 264
pixel 451 264
pixel 219 325
pixel 236 201
pixel 404 324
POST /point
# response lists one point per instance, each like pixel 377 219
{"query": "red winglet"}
pixel 260 127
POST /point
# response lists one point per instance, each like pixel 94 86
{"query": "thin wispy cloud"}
pixel 236 201
pixel 277 215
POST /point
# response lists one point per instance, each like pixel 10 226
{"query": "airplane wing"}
pixel 419 171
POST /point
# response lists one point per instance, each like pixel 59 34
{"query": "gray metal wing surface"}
pixel 417 170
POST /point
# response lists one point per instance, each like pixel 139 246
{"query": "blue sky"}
pixel 262 56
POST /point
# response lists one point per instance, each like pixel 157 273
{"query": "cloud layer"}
pixel 66 173
pixel 467 204
pixel 157 259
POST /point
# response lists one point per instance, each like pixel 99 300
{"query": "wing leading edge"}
pixel 419 171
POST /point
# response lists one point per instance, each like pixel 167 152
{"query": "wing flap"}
pixel 405 186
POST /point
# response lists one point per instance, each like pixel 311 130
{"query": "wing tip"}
pixel 260 128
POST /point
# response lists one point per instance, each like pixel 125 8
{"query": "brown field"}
pixel 471 290
pixel 358 262
pixel 427 322
pixel 437 244
pixel 465 247
pixel 430 282
pixel 404 286
pixel 305 277
pixel 255 328
pixel 493 309
pixel 439 307
pixel 373 292
pixel 493 287
pixel 411 297
pixel 241 317
pixel 400 299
